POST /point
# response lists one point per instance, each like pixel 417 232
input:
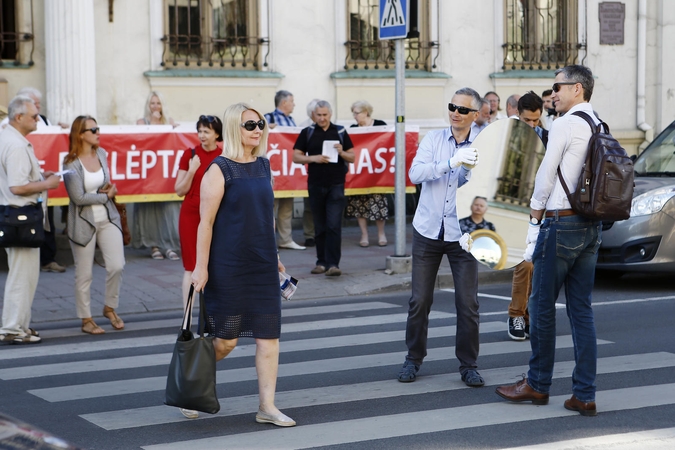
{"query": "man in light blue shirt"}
pixel 443 163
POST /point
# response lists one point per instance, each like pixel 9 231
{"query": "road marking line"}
pixel 432 421
pixel 137 385
pixel 132 362
pixel 232 406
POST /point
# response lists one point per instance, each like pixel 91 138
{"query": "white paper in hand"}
pixel 329 150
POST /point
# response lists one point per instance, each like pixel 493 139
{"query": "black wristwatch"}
pixel 535 221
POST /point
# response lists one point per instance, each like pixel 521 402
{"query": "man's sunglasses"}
pixel 93 130
pixel 209 119
pixel 251 124
pixel 463 110
pixel 34 116
pixel 556 86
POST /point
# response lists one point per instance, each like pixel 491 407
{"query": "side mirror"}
pixel 489 249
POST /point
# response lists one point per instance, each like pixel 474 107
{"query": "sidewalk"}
pixel 155 286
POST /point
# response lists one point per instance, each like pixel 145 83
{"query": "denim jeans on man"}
pixel 328 204
pixel 565 255
pixel 427 257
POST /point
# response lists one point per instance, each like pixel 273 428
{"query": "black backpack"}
pixel 605 188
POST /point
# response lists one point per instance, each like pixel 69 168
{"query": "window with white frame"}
pixel 221 34
pixel 16 33
pixel 366 51
pixel 541 34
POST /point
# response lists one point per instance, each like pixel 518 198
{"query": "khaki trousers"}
pixel 521 290
pixel 283 207
pixel 22 280
pixel 109 240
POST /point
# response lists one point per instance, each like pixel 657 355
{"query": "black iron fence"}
pixel 16 45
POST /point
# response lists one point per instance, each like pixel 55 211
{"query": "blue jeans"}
pixel 328 204
pixel 565 255
pixel 426 258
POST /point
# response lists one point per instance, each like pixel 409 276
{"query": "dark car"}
pixel 15 434
pixel 645 241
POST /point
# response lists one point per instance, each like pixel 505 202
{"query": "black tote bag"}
pixel 21 226
pixel 191 383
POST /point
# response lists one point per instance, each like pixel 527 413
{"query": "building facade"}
pixel 103 57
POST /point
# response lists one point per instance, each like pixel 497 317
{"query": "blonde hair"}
pixel 363 106
pixel 147 114
pixel 232 118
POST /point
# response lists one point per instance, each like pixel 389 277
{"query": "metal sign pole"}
pixel 400 150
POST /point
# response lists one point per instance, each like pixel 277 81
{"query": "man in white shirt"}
pixel 564 249
pixel 483 118
pixel 512 106
pixel 21 184
pixel 442 164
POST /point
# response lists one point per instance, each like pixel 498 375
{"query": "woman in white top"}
pixel 93 220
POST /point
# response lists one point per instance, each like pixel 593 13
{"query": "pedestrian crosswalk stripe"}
pixel 645 440
pixel 231 406
pixel 131 342
pixel 132 362
pixel 339 308
pixel 137 385
pixel 428 421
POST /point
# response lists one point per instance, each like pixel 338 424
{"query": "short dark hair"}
pixel 547 93
pixel 579 74
pixel 530 102
pixel 280 96
pixel 212 122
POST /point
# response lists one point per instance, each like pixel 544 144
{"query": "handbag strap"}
pixel 187 316
pixel 202 314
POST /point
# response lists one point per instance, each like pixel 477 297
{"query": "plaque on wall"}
pixel 612 17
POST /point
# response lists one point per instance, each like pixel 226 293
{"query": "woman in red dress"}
pixel 192 166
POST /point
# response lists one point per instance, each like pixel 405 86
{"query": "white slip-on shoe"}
pixel 292 246
pixel 280 420
pixel 189 413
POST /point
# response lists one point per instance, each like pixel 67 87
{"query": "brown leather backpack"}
pixel 605 188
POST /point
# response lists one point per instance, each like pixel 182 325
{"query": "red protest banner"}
pixel 144 160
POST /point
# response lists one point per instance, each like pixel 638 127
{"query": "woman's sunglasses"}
pixel 251 124
pixel 463 110
pixel 93 130
pixel 209 119
pixel 556 86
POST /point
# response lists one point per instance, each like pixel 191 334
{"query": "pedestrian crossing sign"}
pixel 394 19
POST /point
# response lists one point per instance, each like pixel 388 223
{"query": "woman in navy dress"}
pixel 237 262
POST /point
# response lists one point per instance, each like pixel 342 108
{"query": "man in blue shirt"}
pixel 283 207
pixel 442 164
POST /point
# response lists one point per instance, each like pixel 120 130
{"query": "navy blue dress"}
pixel 242 294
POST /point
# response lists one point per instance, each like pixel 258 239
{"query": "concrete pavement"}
pixel 152 286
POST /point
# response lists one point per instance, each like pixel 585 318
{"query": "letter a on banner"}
pixel 393 19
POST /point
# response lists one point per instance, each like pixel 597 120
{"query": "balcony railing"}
pixel 243 52
pixel 381 55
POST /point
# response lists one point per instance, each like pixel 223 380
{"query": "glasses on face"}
pixel 34 116
pixel 251 124
pixel 356 113
pixel 556 86
pixel 93 130
pixel 209 119
pixel 463 110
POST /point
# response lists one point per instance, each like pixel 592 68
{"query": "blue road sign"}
pixel 393 19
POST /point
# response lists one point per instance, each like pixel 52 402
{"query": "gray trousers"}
pixel 426 259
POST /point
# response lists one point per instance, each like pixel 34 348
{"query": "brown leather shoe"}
pixel 585 409
pixel 318 269
pixel 522 392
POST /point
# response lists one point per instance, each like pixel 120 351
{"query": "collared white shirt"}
pixel 478 128
pixel 438 199
pixel 567 147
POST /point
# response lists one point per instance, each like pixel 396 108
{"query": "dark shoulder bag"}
pixel 22 226
pixel 191 383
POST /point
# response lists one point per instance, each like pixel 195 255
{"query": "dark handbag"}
pixel 22 226
pixel 122 210
pixel 191 383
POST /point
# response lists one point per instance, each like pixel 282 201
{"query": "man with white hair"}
pixel 48 250
pixel 21 183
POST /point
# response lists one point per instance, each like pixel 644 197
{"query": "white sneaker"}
pixel 292 246
pixel 189 413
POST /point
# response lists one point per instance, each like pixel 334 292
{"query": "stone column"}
pixel 70 55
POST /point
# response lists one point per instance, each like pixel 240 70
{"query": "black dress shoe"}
pixel 585 409
pixel 522 392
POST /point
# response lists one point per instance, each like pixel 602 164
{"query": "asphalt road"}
pixel 337 380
